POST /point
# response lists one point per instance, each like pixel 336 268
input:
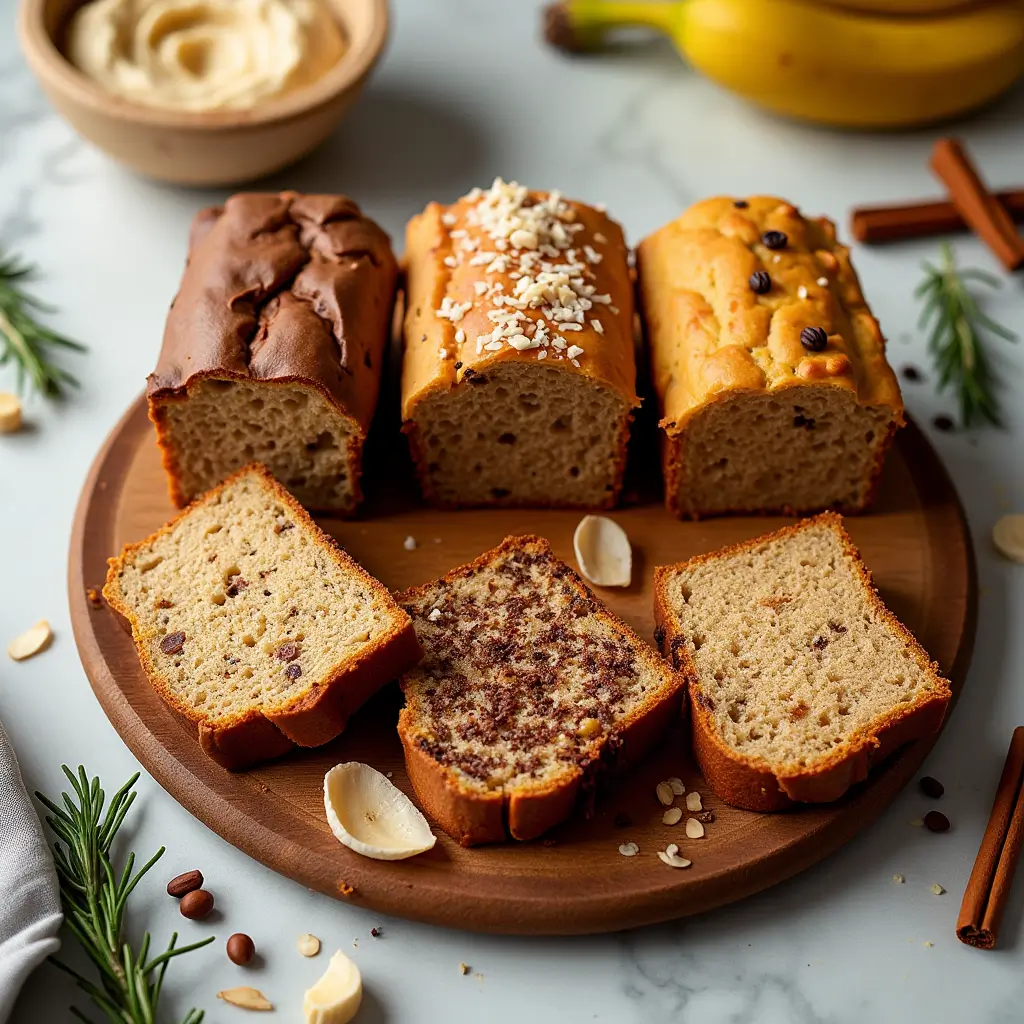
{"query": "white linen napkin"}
pixel 29 898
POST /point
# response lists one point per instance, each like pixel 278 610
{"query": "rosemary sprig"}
pixel 957 331
pixel 25 342
pixel 94 898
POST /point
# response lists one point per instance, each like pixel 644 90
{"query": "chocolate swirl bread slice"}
pixel 800 679
pixel 254 625
pixel 527 687
pixel 274 346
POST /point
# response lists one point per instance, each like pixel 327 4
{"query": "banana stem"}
pixel 593 17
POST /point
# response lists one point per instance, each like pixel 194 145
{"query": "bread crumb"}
pixel 463 968
pixel 898 878
pixel 409 543
pixel 345 889
pixel 94 597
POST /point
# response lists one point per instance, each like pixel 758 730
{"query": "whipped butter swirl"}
pixel 203 55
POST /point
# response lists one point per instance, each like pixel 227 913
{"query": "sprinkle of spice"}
pixel 760 282
pixel 814 339
pixel 775 240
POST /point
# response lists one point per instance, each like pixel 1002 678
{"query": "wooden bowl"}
pixel 214 148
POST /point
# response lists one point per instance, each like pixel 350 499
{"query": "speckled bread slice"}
pixel 800 679
pixel 528 689
pixel 254 625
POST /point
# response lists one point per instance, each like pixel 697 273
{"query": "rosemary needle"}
pixel 957 335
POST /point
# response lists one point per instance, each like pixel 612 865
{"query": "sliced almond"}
pixel 670 856
pixel 629 849
pixel 245 997
pixel 32 641
pixel 937 889
pixel 677 786
pixel 664 793
pixel 1008 537
pixel 309 945
pixel 372 816
pixel 672 816
pixel 335 998
pixel 603 552
pixel 10 413
pixel 693 801
pixel 694 829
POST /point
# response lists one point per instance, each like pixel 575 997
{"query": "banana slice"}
pixel 372 816
pixel 335 998
pixel 1008 537
pixel 603 551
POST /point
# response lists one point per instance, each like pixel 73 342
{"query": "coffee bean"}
pixel 172 643
pixel 931 787
pixel 814 339
pixel 196 905
pixel 760 282
pixel 936 821
pixel 775 240
pixel 943 423
pixel 182 885
pixel 241 949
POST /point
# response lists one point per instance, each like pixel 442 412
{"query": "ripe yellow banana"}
pixel 807 60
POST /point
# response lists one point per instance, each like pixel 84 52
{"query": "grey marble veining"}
pixel 467 92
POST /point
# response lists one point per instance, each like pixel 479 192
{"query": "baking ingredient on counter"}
pixel 835 66
pixel 309 945
pixel 25 343
pixel 196 905
pixel 182 885
pixel 958 335
pixel 931 787
pixel 33 641
pixel 10 413
pixel 94 898
pixel 1008 536
pixel 336 997
pixel 936 821
pixel 938 890
pixel 240 949
pixel 232 637
pixel 370 815
pixel 787 628
pixel 204 56
pixel 603 552
pixel 246 998
pixel 671 856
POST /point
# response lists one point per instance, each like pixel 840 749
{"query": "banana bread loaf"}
pixel 519 374
pixel 273 347
pixel 770 369
pixel 800 679
pixel 254 625
pixel 528 688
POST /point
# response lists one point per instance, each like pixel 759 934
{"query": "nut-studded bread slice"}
pixel 253 624
pixel 799 677
pixel 528 688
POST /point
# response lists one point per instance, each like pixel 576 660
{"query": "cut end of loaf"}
pixel 795 450
pixel 796 664
pixel 221 425
pixel 522 434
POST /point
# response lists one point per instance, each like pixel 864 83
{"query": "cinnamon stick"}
pixel 989 885
pixel 900 222
pixel 951 164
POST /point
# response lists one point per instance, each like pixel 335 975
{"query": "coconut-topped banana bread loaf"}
pixel 254 625
pixel 274 346
pixel 527 687
pixel 800 679
pixel 519 374
pixel 770 369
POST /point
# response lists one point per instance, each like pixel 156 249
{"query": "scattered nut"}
pixel 694 829
pixel 937 889
pixel 241 949
pixel 670 856
pixel 309 945
pixel 336 997
pixel 1008 537
pixel 10 413
pixel 409 543
pixel 245 997
pixel 182 885
pixel 603 552
pixel 672 816
pixel 195 905
pixel 664 793
pixel 693 801
pixel 931 787
pixel 936 821
pixel 31 642
pixel 588 727
pixel 677 786
pixel 463 968
pixel 629 849
pixel 898 878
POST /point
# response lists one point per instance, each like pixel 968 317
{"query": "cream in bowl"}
pixel 204 55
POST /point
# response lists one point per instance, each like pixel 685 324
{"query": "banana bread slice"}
pixel 799 677
pixel 254 625
pixel 527 687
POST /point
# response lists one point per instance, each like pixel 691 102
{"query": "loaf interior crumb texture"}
pixel 292 429
pixel 524 677
pixel 240 607
pixel 797 449
pixel 523 434
pixel 791 651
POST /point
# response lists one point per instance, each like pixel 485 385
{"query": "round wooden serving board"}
pixel 914 540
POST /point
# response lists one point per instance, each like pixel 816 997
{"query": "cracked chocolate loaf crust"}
pixel 274 345
pixel 529 689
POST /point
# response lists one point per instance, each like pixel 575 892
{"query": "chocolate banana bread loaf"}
pixel 273 347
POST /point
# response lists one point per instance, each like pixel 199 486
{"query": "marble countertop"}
pixel 467 92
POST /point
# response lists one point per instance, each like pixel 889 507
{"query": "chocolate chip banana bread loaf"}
pixel 519 374
pixel 770 369
pixel 528 689
pixel 273 347
pixel 254 625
